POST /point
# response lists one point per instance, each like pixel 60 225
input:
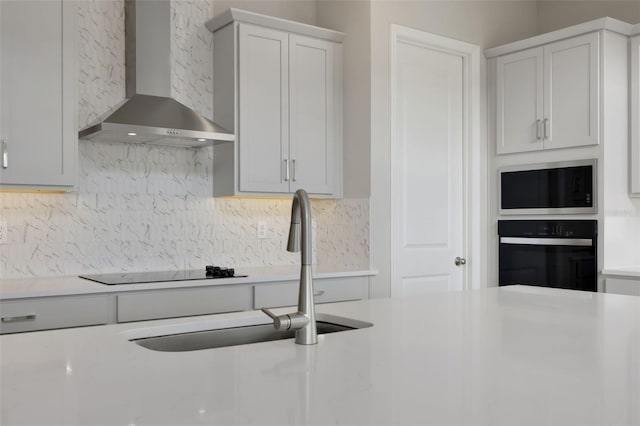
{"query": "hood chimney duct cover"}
pixel 149 115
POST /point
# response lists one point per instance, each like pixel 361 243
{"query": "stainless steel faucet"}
pixel 303 321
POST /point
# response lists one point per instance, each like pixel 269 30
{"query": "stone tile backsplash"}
pixel 140 207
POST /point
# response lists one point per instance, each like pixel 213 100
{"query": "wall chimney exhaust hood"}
pixel 149 115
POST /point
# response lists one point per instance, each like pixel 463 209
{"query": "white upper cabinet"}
pixel 282 97
pixel 547 97
pixel 635 115
pixel 37 95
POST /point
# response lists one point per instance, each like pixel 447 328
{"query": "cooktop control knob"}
pixel 216 271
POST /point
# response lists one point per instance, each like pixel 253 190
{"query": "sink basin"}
pixel 222 335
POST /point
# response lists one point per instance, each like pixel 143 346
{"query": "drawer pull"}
pixel 19 318
pixel 5 155
pixel 318 293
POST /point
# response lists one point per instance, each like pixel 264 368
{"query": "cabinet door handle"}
pixel 538 123
pixel 5 155
pixel 19 318
pixel 286 170
pixel 546 133
pixel 293 174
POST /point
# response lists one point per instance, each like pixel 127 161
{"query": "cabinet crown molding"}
pixel 240 15
pixel 607 23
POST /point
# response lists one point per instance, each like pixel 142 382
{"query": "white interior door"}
pixel 428 190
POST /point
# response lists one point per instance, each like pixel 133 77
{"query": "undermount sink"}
pixel 225 334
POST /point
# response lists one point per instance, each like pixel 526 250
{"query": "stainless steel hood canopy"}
pixel 149 115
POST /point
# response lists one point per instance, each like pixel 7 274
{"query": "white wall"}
pixel 553 15
pixel 486 23
pixel 354 19
pixel 296 10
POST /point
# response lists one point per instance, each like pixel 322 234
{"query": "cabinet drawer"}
pixel 326 291
pixel 182 302
pixel 629 287
pixel 53 312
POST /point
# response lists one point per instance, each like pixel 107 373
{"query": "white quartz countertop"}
pixel 61 286
pixel 626 272
pixel 502 356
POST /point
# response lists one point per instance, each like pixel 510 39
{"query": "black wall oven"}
pixel 549 188
pixel 548 253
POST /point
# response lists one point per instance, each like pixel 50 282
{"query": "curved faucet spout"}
pixel 300 229
pixel 303 321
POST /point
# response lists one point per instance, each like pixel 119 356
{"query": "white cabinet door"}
pixel 38 131
pixel 520 101
pixel 635 115
pixel 139 306
pixel 264 107
pixel 47 313
pixel 312 135
pixel 326 290
pixel 571 92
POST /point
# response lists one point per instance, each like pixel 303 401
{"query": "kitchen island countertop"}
pixel 502 356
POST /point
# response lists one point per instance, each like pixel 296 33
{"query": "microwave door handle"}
pixel 581 242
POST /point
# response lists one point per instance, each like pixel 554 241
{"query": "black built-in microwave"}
pixel 550 188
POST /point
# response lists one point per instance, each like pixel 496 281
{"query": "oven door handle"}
pixel 584 242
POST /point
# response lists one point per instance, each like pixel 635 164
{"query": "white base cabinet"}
pixel 46 313
pixel 38 132
pixel 628 286
pixel 548 97
pixel 278 85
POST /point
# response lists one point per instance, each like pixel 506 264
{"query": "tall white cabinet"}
pixel 278 84
pixel 568 89
pixel 547 96
pixel 38 132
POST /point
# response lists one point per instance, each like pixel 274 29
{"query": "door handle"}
pixel 538 123
pixel 581 242
pixel 460 261
pixel 544 126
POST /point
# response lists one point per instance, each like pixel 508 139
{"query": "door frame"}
pixel 474 173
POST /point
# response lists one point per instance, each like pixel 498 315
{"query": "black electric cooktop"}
pixel 210 272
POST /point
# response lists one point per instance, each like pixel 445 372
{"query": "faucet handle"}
pixel 287 321
pixel 280 322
